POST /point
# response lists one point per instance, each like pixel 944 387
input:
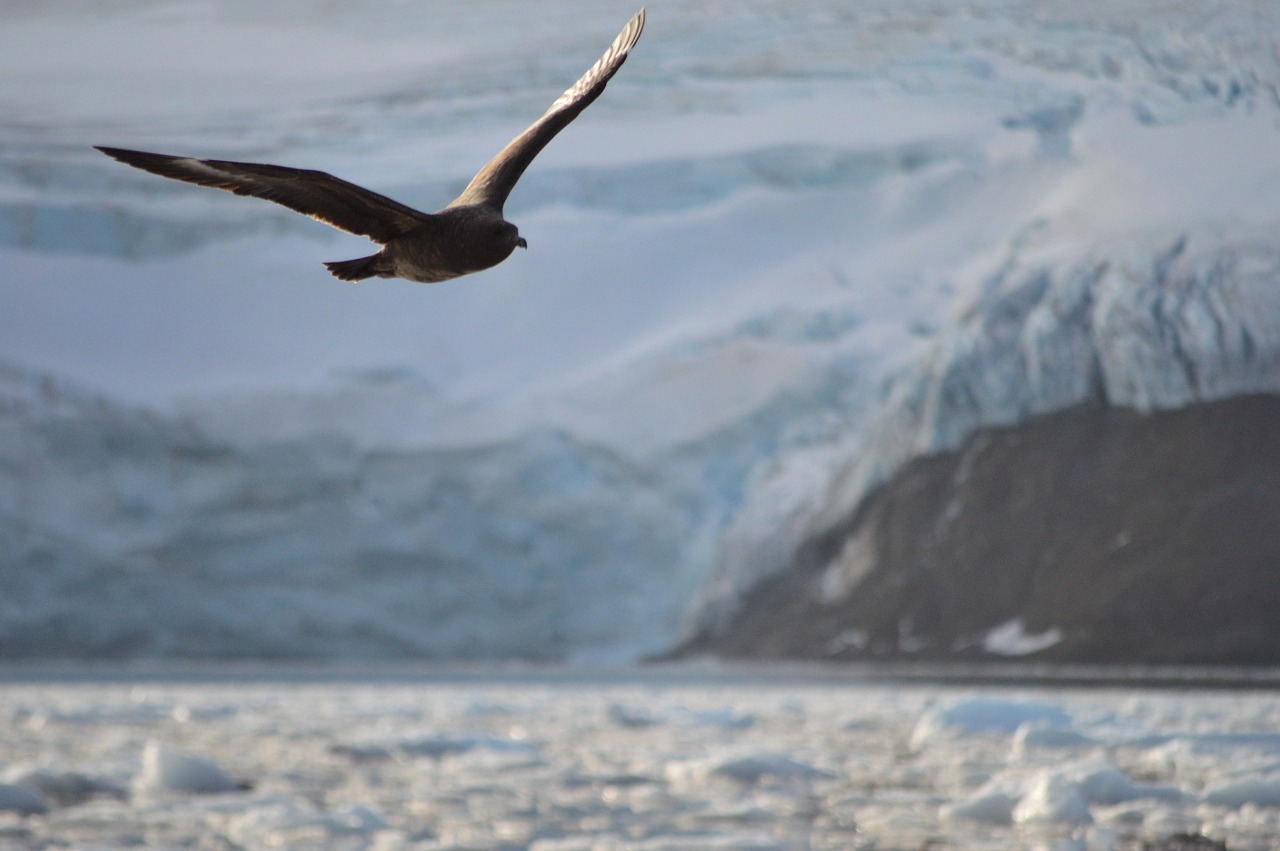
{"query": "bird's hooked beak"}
pixel 520 242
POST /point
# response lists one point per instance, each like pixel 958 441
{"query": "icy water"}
pixel 683 759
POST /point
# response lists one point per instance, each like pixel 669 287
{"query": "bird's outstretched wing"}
pixel 493 183
pixel 321 196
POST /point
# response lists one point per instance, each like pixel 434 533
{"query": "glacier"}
pixel 790 250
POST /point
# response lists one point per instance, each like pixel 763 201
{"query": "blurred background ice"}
pixel 786 237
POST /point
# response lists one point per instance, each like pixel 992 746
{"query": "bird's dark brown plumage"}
pixel 468 235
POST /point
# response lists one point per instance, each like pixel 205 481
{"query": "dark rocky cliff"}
pixel 1095 534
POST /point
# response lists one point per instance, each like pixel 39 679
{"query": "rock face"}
pixel 1096 534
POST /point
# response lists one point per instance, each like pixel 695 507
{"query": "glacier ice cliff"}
pixel 127 534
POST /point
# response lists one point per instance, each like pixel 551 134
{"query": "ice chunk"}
pixel 625 716
pixel 1259 791
pixel 987 806
pixel 290 823
pixel 430 746
pixel 985 716
pixel 1036 735
pixel 746 768
pixel 165 769
pixel 1052 799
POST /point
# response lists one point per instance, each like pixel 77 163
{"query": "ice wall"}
pixel 128 534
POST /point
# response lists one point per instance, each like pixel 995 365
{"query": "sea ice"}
pixel 555 770
pixel 984 716
pixel 1037 736
pixel 744 768
pixel 1052 799
pixel 992 806
pixel 1257 791
pixel 165 769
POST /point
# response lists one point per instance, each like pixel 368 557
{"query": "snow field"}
pixel 557 761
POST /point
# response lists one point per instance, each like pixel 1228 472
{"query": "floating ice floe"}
pixel 625 716
pixel 684 842
pixel 1052 799
pixel 1064 795
pixel 724 719
pixel 1100 782
pixel 988 805
pixel 165 769
pixel 435 747
pixel 1258 791
pixel 746 768
pixel 721 718
pixel 1038 736
pixel 290 823
pixel 985 716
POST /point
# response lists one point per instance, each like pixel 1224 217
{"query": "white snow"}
pixel 788 250
pixel 1012 639
pixel 830 761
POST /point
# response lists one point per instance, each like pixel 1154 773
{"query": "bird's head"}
pixel 507 235
pixel 480 237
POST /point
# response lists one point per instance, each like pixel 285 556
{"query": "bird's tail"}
pixel 362 267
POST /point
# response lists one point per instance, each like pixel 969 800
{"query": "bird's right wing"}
pixel 494 182
pixel 321 196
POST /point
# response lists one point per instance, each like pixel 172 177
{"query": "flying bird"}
pixel 467 236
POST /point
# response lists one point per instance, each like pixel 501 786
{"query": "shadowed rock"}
pixel 1126 538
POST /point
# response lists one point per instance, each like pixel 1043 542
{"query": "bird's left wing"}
pixel 321 196
pixel 493 183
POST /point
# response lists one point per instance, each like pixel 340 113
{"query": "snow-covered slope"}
pixel 786 237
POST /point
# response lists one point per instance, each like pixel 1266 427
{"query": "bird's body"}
pixel 467 236
pixel 453 242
